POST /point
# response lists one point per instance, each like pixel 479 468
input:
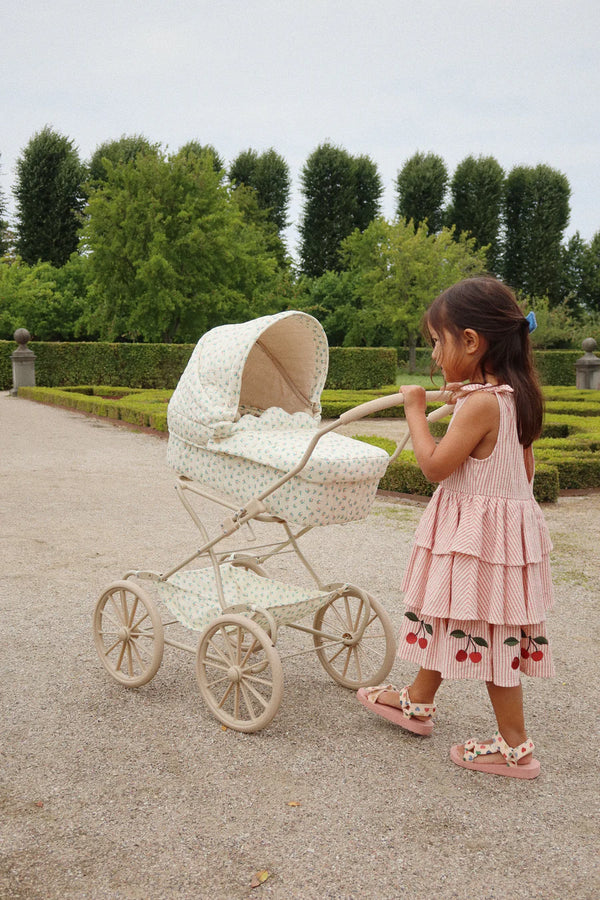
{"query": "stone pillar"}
pixel 587 368
pixel 23 362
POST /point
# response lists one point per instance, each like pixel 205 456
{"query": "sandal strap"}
pixel 374 692
pixel 414 709
pixel 498 745
pixel 511 754
pixel 474 748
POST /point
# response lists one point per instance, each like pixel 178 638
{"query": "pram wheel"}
pixel 239 673
pixel 128 634
pixel 353 659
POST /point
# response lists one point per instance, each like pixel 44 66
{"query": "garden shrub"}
pixel 356 368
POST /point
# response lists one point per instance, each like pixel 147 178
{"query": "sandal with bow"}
pixel 468 755
pixel 405 716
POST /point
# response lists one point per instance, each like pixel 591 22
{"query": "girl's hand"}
pixel 414 398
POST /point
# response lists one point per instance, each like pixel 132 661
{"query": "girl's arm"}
pixel 474 428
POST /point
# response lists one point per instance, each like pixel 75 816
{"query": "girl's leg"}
pixel 507 703
pixel 422 690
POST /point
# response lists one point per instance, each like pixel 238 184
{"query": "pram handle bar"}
pixel 373 406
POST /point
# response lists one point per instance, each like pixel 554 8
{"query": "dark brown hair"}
pixel 489 307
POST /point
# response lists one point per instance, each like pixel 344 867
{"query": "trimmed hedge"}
pixel 356 368
pixel 555 367
pixel 160 365
pixel 127 405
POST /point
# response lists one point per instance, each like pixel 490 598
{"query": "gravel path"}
pixel 107 793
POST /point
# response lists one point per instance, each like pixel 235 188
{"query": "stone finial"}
pixel 588 345
pixel 22 336
pixel 587 368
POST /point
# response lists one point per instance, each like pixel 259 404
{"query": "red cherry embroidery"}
pixel 475 656
pixel 424 628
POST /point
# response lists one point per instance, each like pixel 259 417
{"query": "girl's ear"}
pixel 472 340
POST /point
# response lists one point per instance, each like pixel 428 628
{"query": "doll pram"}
pixel 245 434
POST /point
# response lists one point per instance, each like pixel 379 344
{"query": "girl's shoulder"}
pixel 481 396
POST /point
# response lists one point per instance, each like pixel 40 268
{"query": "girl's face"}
pixel 456 355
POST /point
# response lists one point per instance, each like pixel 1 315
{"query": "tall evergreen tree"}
pixel 590 282
pixel 341 193
pixel 421 187
pixel 269 175
pixel 476 191
pixel 536 210
pixel 50 198
pixel 3 224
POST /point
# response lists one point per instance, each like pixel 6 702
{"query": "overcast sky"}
pixel 518 80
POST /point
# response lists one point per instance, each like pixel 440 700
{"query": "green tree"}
pixel 341 193
pixel 572 273
pixel 123 150
pixel 590 280
pixel 421 188
pixel 476 192
pixel 269 175
pixel 195 148
pixel 536 214
pixel 397 272
pixel 48 301
pixel 171 252
pixel 3 224
pixel 50 198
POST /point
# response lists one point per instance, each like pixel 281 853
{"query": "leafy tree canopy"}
pixel 477 190
pixel 171 252
pixel 123 150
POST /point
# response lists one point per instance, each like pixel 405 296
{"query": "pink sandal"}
pixel 404 717
pixel 467 758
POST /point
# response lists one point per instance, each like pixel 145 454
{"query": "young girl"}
pixel 478 582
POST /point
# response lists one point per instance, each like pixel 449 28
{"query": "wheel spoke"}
pixel 120 620
pixel 358 614
pixel 356 656
pixel 114 622
pixel 142 663
pixel 214 646
pixel 215 663
pixel 257 680
pixel 226 694
pixel 121 655
pixel 248 701
pixel 133 610
pixel 129 660
pixel 228 646
pixel 211 684
pixel 139 621
pixel 255 693
pixel 112 647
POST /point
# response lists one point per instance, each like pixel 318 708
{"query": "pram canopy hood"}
pixel 279 360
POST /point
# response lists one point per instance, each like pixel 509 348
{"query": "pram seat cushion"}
pixel 279 440
pixel 192 596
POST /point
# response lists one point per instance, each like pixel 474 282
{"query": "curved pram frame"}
pixel 239 610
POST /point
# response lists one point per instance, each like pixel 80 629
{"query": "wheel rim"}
pixel 128 634
pixel 239 673
pixel 351 659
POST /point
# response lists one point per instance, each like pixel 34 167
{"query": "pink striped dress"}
pixel 478 583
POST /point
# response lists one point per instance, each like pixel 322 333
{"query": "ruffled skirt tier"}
pixel 477 589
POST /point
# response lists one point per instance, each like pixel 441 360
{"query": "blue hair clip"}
pixel 531 319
